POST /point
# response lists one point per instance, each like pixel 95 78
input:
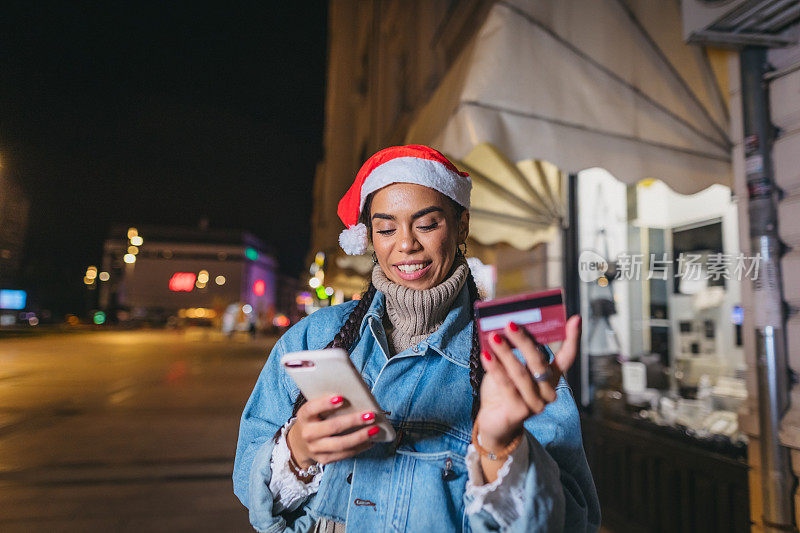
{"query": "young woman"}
pixel 484 441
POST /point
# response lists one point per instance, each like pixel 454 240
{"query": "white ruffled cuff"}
pixel 288 491
pixel 504 498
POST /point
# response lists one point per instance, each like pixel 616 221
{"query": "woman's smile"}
pixel 411 270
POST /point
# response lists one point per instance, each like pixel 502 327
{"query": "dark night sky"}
pixel 159 113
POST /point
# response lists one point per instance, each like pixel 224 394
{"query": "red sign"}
pixel 259 287
pixel 182 281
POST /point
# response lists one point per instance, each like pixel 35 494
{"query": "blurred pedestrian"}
pixel 484 442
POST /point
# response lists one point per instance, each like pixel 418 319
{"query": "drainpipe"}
pixel 777 481
pixel 572 289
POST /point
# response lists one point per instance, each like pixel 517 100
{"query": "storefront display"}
pixel 660 289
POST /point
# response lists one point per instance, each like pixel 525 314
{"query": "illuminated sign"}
pixel 259 287
pixel 12 299
pixel 182 281
pixel 737 315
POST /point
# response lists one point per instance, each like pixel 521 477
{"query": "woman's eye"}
pixel 385 231
pixel 429 226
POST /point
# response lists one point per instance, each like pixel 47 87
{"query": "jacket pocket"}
pixel 435 480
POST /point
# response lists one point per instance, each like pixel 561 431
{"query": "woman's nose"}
pixel 408 242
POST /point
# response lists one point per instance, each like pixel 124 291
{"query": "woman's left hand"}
pixel 510 393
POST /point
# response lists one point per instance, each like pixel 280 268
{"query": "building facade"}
pixel 385 59
pixel 154 273
pixel 14 208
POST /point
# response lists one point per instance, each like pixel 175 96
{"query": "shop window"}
pixel 662 328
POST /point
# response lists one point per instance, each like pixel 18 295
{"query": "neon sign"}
pixel 182 281
pixel 259 287
pixel 12 299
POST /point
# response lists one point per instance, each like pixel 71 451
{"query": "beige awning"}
pixel 606 83
pixel 521 204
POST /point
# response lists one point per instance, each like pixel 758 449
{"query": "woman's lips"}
pixel 409 276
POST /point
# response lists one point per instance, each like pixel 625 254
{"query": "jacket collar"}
pixel 452 340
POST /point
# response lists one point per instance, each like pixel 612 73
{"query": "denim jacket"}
pixel 399 486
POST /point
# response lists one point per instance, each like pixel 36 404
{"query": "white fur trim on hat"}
pixel 353 240
pixel 419 171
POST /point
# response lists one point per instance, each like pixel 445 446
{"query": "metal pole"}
pixel 773 372
pixel 571 281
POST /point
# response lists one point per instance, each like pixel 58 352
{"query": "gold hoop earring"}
pixel 460 251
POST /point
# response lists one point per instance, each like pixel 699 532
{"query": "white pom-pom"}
pixel 353 240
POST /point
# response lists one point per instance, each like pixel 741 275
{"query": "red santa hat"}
pixel 414 163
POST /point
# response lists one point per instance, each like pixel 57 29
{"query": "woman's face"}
pixel 415 233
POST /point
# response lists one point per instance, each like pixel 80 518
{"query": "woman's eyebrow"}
pixel 420 213
pixel 427 210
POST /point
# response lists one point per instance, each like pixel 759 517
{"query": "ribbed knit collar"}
pixel 417 313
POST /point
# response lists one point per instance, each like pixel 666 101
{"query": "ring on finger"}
pixel 543 376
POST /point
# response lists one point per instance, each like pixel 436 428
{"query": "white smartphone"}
pixel 330 372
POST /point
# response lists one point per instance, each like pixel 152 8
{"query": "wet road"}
pixel 122 431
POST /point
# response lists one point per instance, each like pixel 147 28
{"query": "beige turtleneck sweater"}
pixel 412 315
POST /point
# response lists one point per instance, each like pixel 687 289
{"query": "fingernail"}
pixel 513 327
pixel 497 339
pixel 368 416
pixel 337 399
pixel 373 431
pixel 486 355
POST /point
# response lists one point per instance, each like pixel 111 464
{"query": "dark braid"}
pixel 476 370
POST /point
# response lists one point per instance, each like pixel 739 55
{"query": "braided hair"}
pixel 348 334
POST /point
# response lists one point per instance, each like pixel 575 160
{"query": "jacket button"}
pixel 416 348
pixel 350 477
pixel 447 471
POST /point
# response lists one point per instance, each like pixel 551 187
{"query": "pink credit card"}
pixel 541 313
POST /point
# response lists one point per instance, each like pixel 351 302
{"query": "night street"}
pixel 122 431
pixel 183 186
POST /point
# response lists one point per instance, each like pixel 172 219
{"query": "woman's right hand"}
pixel 314 439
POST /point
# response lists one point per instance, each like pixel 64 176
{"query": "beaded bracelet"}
pixel 505 452
pixel 301 473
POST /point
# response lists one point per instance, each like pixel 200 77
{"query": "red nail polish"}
pixel 368 416
pixel 486 355
pixel 497 339
pixel 373 431
pixel 513 327
pixel 337 399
